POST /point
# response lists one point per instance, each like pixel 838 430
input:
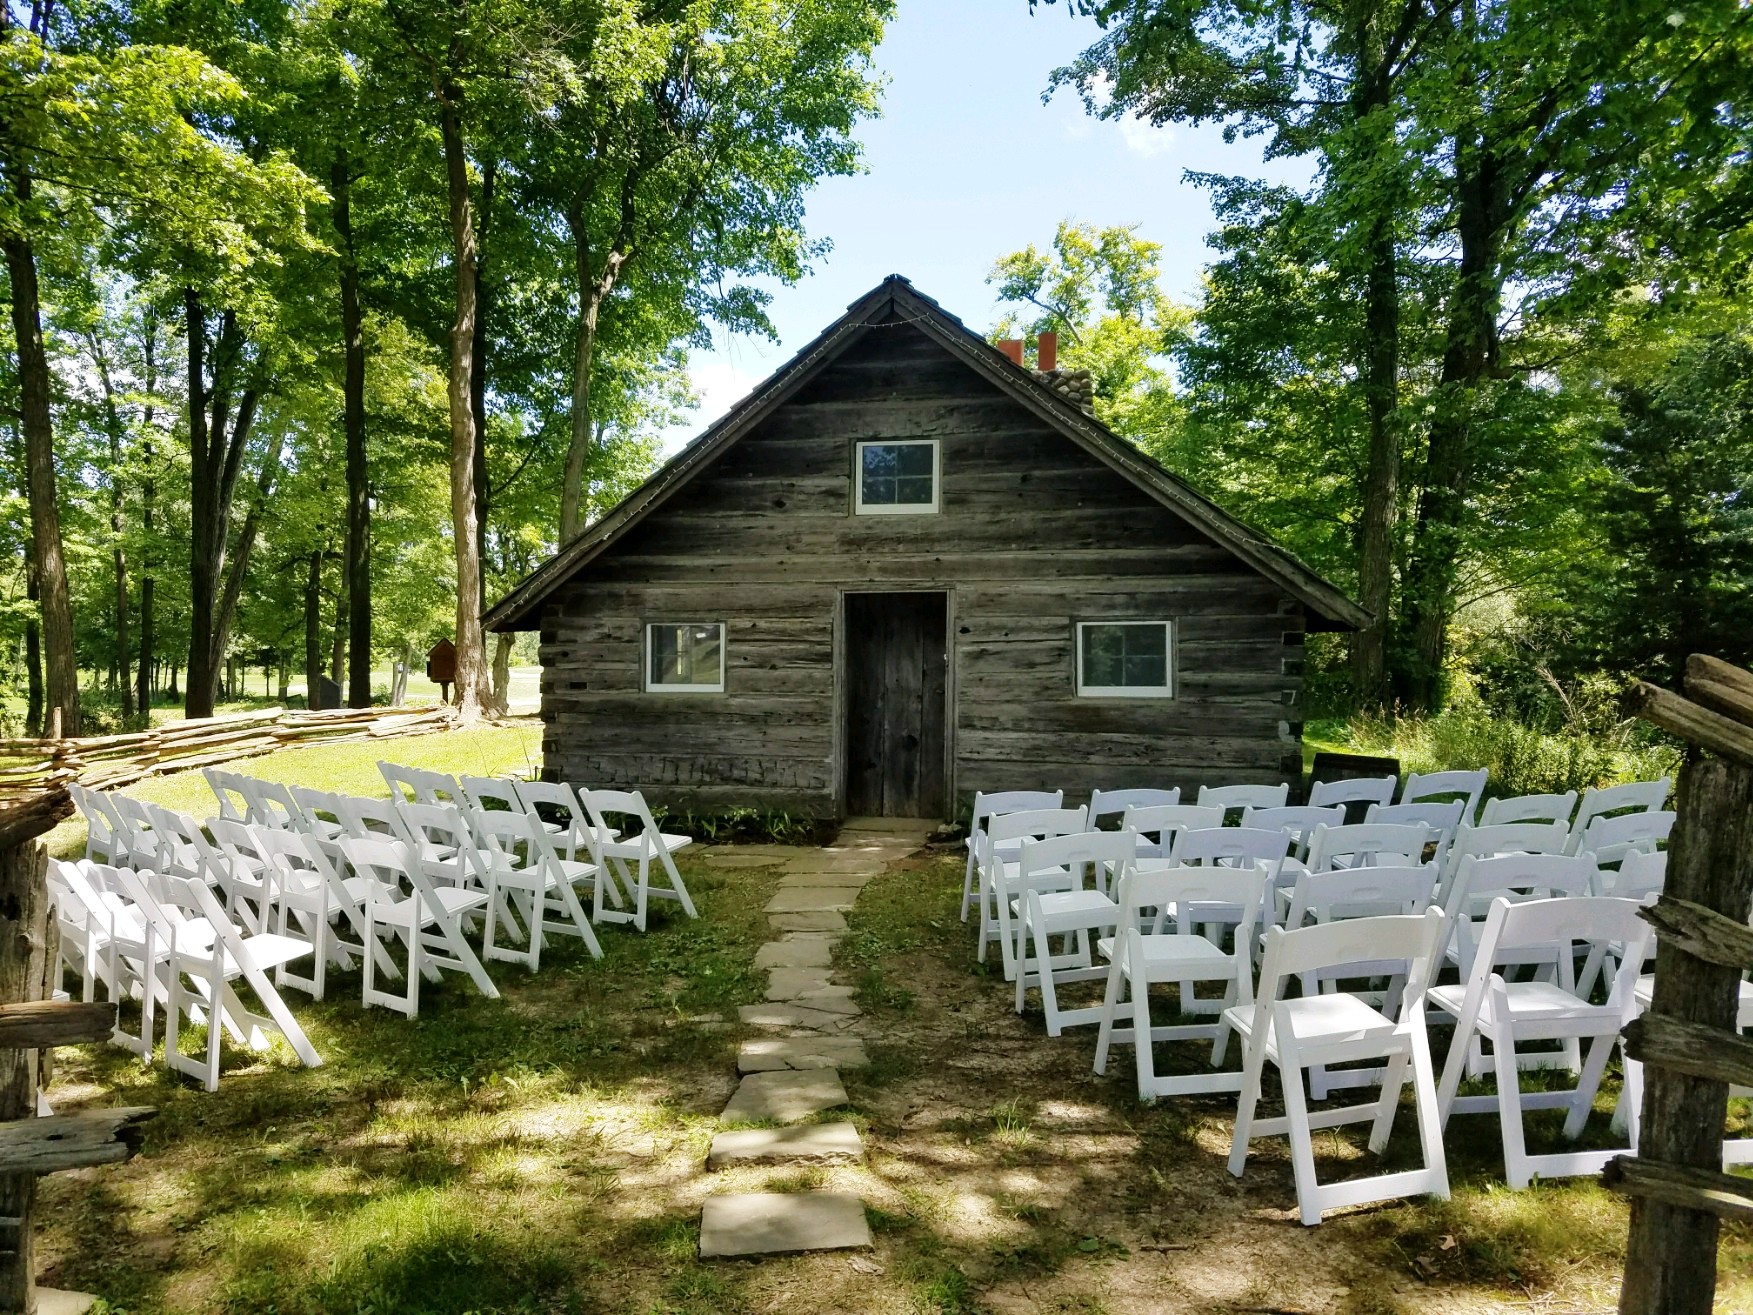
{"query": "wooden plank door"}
pixel 896 667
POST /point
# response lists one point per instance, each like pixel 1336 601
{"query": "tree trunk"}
pixel 356 565
pixel 33 648
pixel 148 500
pixel 313 629
pixel 338 636
pixel 24 940
pixel 119 560
pixel 471 666
pixel 246 541
pixel 478 374
pixel 502 643
pixel 60 662
pixel 592 289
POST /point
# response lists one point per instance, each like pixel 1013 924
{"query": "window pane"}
pixel 914 459
pixel 1103 655
pixel 913 489
pixel 686 654
pixel 880 459
pixel 897 475
pixel 1126 656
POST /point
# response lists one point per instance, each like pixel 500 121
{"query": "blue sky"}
pixel 965 164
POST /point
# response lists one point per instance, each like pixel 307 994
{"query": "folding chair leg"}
pixel 1143 1051
pixel 1110 1005
pixel 968 885
pixel 1253 1067
pixel 1392 1082
pixel 1588 1083
pixel 1517 1171
pixel 1424 1107
pixel 677 884
pixel 1302 1143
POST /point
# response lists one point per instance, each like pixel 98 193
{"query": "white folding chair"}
pixel 183 848
pixel 443 838
pixel 101 826
pixel 426 918
pixel 1360 790
pixel 136 845
pixel 228 790
pixel 1000 848
pixel 229 956
pixel 530 883
pixel 1159 825
pixel 1633 796
pixel 1610 839
pixel 1439 787
pixel 1500 838
pixel 1234 798
pixel 311 898
pixel 1063 888
pixel 1328 1030
pixel 235 864
pixel 1529 808
pixel 270 804
pixel 1137 960
pixel 631 855
pixel 1229 846
pixel 86 925
pixel 366 818
pixel 1509 1014
pixel 1298 819
pixel 319 812
pixel 1106 804
pixel 985 807
pixel 557 804
pixel 419 786
pixel 1640 876
pixel 1444 820
pixel 147 934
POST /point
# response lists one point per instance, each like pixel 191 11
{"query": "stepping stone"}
pixel 742 860
pixel 790 983
pixel 828 999
pixel 784 1096
pixel 788 1015
pixel 796 952
pixel 812 899
pixel 775 1054
pixel 858 865
pixel 810 1143
pixel 840 880
pixel 762 1223
pixel 807 920
pixel 59 1301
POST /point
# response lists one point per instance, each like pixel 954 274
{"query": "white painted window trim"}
pixel 1164 691
pixel 661 687
pixel 896 508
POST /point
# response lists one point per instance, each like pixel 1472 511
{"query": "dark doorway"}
pixel 896 664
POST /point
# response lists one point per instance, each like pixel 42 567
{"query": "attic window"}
pixel 896 478
pixel 1125 659
pixel 685 658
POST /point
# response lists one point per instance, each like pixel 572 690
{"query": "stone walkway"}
pixel 813 1031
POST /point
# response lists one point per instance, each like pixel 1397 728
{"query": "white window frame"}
pixel 1163 691
pixel 660 687
pixel 859 508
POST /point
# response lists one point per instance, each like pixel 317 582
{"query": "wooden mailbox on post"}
pixel 441 667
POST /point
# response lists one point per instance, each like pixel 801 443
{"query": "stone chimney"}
pixel 1075 386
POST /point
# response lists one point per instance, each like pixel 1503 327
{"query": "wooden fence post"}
pixel 24 905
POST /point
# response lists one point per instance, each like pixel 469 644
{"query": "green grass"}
pixel 513 747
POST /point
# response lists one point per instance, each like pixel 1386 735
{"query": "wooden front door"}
pixel 896 665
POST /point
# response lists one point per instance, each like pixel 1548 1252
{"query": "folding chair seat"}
pixel 1061 888
pixel 1354 795
pixel 986 806
pixel 530 884
pixel 999 850
pixel 1529 808
pixel 1138 959
pixel 426 918
pixel 1440 787
pixel 1508 1014
pixel 1159 825
pixel 1610 839
pixel 228 789
pixel 1235 798
pixel 101 844
pixel 1111 805
pixel 631 855
pixel 228 957
pixel 1327 1030
pixel 1615 800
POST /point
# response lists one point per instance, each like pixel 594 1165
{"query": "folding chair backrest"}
pixel 1437 787
pixel 1360 893
pixel 362 816
pixel 234 843
pixel 507 835
pixel 1609 839
pixel 1230 845
pixel 292 851
pixel 1508 838
pixel 1298 819
pixel 605 804
pixel 399 780
pixel 389 861
pixel 1633 796
pixel 1159 824
pixel 316 807
pixel 1233 797
pixel 271 804
pixel 439 824
pixel 1365 844
pixel 1412 938
pixel 100 820
pixel 228 789
pixel 1442 819
pixel 1357 790
pixel 1640 875
pixel 135 823
pixel 1037 823
pixel 491 794
pixel 436 787
pixel 1183 893
pixel 1529 808
pixel 1103 856
pixel 1012 801
pixel 182 846
pixel 1570 920
pixel 1114 803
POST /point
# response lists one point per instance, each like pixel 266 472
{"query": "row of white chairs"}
pixel 1343 912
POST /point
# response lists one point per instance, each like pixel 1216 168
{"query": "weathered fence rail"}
pixel 1689 1040
pixel 107 761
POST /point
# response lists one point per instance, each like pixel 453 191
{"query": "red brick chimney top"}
pixel 1013 348
pixel 1047 352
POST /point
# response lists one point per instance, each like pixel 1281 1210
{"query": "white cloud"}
pixel 1138 135
pixel 1143 137
pixel 721 384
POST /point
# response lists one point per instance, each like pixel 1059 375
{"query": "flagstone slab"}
pixel 808 920
pixel 824 881
pixel 784 1096
pixel 790 983
pixel 809 1143
pixel 901 826
pixel 735 861
pixel 774 1054
pixel 812 899
pixel 765 1223
pixel 858 865
pixel 805 951
pixel 59 1301
pixel 828 999
pixel 788 1015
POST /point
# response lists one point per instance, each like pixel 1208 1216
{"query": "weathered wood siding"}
pixel 1033 535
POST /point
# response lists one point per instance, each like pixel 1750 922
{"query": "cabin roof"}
pixel 1329 608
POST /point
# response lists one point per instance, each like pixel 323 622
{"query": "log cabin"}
pixel 906 568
